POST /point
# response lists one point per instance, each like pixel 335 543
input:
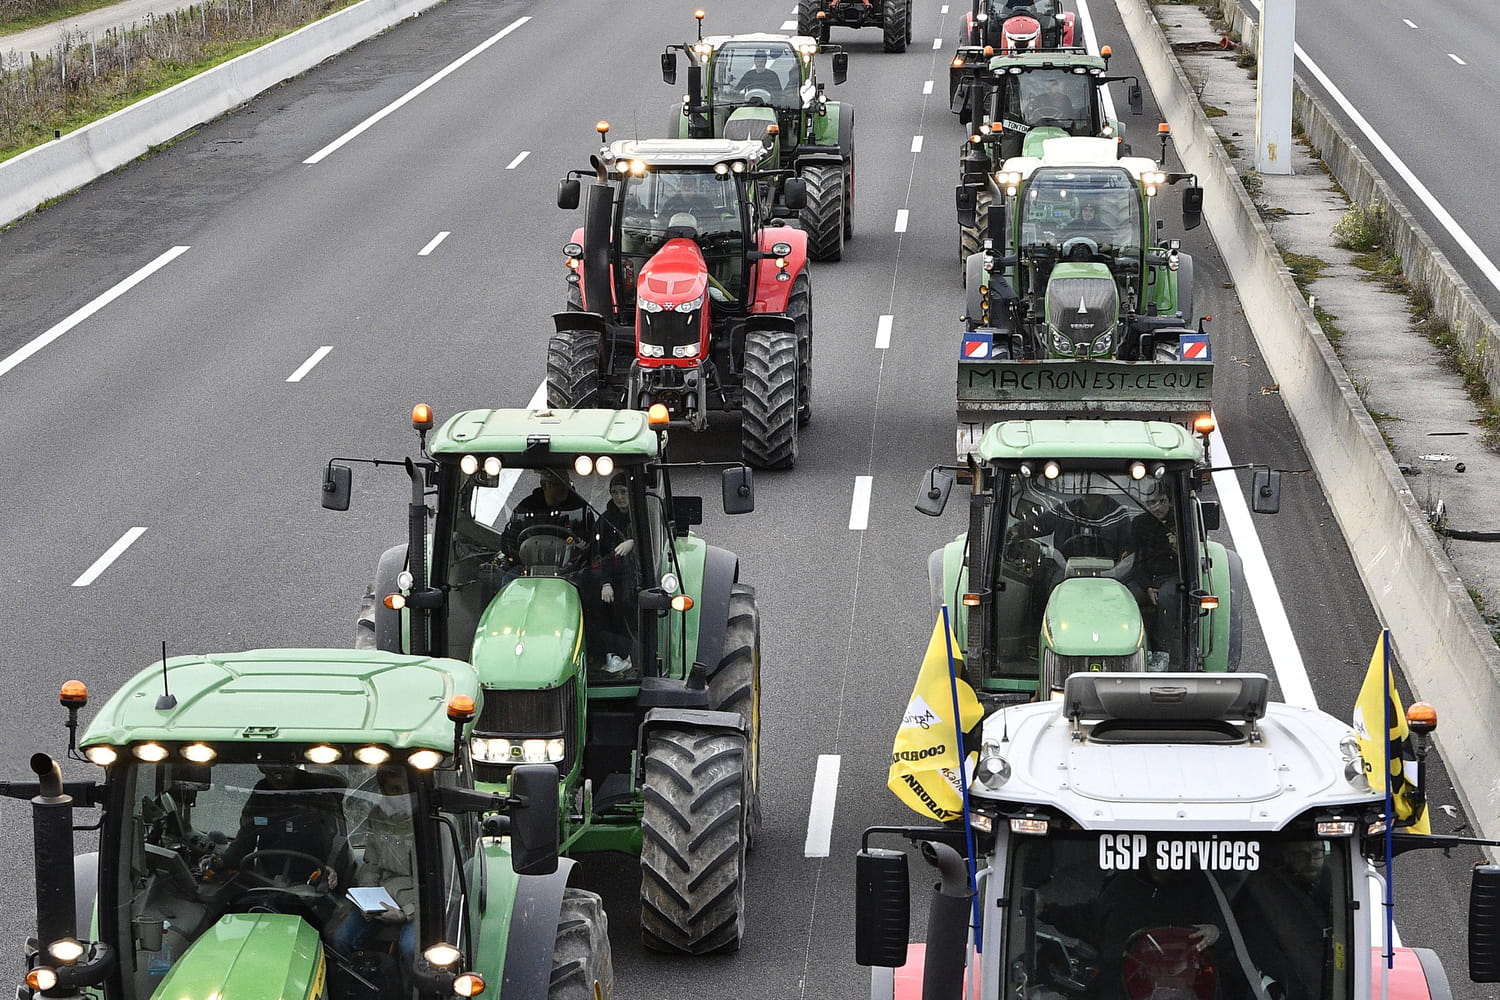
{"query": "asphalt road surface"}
pixel 173 408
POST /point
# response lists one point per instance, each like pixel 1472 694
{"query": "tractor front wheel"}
pixel 581 958
pixel 573 369
pixel 693 841
pixel 768 409
pixel 895 17
pixel 823 216
pixel 799 311
pixel 971 238
pixel 734 686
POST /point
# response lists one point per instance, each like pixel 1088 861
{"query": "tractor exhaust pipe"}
pixel 52 833
pixel 598 296
pixel 947 924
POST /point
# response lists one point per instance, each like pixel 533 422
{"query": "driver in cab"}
pixel 292 826
pixel 554 502
pixel 758 77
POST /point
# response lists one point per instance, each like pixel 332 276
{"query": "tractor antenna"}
pixel 166 702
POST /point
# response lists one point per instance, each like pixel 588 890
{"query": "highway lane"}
pixel 170 410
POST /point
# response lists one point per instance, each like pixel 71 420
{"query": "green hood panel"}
pixel 1093 616
pixel 1032 144
pixel 531 635
pixel 312 695
pixel 249 956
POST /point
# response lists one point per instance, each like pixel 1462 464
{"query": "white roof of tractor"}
pixel 688 152
pixel 1179 751
pixel 1080 151
pixel 804 44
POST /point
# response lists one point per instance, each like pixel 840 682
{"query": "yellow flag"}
pixel 924 760
pixel 1369 722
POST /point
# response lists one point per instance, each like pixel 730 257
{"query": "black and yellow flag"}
pixel 1387 757
pixel 924 760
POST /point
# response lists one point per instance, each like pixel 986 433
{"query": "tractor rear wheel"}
pixel 909 28
pixel 799 311
pixel 808 22
pixel 693 841
pixel 581 956
pixel 971 238
pixel 823 218
pixel 573 369
pixel 895 17
pixel 734 686
pixel 768 409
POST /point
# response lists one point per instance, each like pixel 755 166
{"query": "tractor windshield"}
pixel 1088 552
pixel 766 74
pixel 1099 204
pixel 600 532
pixel 1056 97
pixel 222 864
pixel 699 204
pixel 1146 916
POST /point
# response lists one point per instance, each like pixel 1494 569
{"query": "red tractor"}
pixel 683 292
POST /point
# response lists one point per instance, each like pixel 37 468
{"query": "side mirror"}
pixel 1265 491
pixel 686 512
pixel 1192 207
pixel 568 193
pixel 337 480
pixel 669 67
pixel 882 908
pixel 1484 924
pixel 1212 514
pixel 533 820
pixel 738 486
pixel 840 67
pixel 935 487
pixel 794 193
pixel 1133 96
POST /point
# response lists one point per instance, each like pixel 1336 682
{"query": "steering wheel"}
pixel 1089 545
pixel 248 866
pixel 563 544
pixel 757 96
pixel 1055 112
pixel 1073 243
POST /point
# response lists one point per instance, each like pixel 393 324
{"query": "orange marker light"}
pixel 471 984
pixel 1163 129
pixel 1208 603
pixel 971 600
pixel 1106 51
pixel 74 694
pixel 958 60
pixel 773 129
pixel 657 415
pixel 822 14
pixel 421 417
pixel 989 50
pixel 601 127
pixel 1421 717
pixel 1204 424
pixel 394 601
pixel 460 708
pixel 682 602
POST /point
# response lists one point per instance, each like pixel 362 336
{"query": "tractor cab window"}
pixel 699 204
pixel 1094 549
pixel 211 854
pixel 1099 204
pixel 1053 97
pixel 551 523
pixel 763 74
pixel 1132 916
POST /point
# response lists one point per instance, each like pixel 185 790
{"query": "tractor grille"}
pixel 1060 668
pixel 1081 309
pixel 513 713
pixel 669 329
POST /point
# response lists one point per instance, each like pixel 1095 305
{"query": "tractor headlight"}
pixel 649 305
pixel 1062 345
pixel 533 750
pixel 687 307
pixel 1103 344
pixel 685 351
pixel 653 351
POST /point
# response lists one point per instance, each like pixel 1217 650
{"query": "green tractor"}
pixel 1074 269
pixel 1012 101
pixel 297 824
pixel 764 87
pixel 610 641
pixel 1088 550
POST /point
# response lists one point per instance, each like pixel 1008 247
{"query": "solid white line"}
pixel 1456 59
pixel 883 332
pixel 432 244
pixel 820 815
pixel 943 9
pixel 309 364
pixel 1092 44
pixel 489 505
pixel 82 314
pixel 937 43
pixel 859 507
pixel 414 92
pixel 789 25
pixel 1465 243
pixel 102 563
pixel 927 87
pixel 1407 21
pixel 1286 658
pixel 901 215
pixel 513 164
pixel 916 144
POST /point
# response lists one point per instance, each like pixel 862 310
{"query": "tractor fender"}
pixel 677 125
pixel 85 893
pixel 1221 643
pixel 947 577
pixel 974 286
pixel 771 296
pixel 1185 288
pixel 1236 608
pixel 702 719
pixel 721 570
pixel 390 630
pixel 809 155
pixel 829 130
pixel 1417 974
pixel 598 216
pixel 536 904
pixel 692 558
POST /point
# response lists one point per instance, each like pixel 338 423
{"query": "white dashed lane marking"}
pixel 859 508
pixel 916 144
pixel 103 562
pixel 1456 59
pixel 820 814
pixel 901 215
pixel 309 364
pixel 927 87
pixel 883 332
pixel 513 164
pixel 432 244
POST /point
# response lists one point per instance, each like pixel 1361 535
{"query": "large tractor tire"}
pixel 808 22
pixel 573 369
pixel 693 841
pixel 909 27
pixel 734 686
pixel 823 218
pixel 581 957
pixel 971 238
pixel 896 15
pixel 799 309
pixel 768 411
pixel 1185 289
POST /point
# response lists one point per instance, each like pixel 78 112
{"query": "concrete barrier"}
pixel 1442 644
pixel 46 172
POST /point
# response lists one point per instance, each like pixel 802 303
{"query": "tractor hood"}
pixel 671 297
pixel 1037 135
pixel 531 636
pixel 751 123
pixel 1083 309
pixel 1094 620
pixel 249 956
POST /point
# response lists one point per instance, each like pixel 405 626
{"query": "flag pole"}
pixel 1390 818
pixel 963 780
